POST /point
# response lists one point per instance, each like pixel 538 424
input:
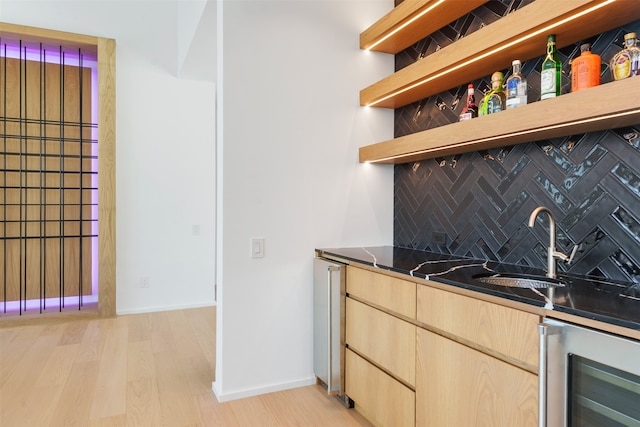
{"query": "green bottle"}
pixel 551 74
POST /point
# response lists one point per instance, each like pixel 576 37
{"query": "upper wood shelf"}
pixel 519 35
pixel 411 21
pixel 608 106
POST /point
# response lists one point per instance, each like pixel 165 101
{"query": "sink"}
pixel 518 280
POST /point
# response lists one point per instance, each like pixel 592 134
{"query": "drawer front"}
pixel 384 339
pixel 506 331
pixel 459 386
pixel 393 294
pixel 379 397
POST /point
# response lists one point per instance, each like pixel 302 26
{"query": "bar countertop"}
pixel 613 302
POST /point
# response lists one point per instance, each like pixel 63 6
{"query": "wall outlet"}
pixel 145 282
pixel 438 238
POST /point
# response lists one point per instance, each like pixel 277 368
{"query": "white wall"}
pixel 165 149
pixel 289 129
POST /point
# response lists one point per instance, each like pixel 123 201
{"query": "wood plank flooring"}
pixel 152 369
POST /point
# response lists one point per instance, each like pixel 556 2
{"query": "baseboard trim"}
pixel 226 397
pixel 164 308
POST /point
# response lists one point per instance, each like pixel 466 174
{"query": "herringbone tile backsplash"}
pixel 482 200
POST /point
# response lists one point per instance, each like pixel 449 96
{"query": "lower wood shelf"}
pixel 608 106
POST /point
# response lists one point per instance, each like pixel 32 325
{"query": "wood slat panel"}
pixel 34 266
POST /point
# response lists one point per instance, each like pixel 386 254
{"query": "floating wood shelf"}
pixel 519 35
pixel 411 21
pixel 608 106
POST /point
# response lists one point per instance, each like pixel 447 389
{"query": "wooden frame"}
pixel 104 50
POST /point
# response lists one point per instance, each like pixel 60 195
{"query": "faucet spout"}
pixel 552 254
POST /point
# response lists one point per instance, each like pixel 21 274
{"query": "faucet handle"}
pixel 573 254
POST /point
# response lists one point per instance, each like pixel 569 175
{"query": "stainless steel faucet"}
pixel 552 253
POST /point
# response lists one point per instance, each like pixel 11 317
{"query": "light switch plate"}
pixel 257 247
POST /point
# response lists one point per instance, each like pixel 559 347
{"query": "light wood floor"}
pixel 150 369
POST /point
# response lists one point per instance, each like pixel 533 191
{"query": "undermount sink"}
pixel 518 280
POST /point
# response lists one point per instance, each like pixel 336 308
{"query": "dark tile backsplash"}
pixel 482 200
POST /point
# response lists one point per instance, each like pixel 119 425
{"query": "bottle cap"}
pixel 630 36
pixel 585 48
pixel 551 38
pixel 497 76
pixel 515 62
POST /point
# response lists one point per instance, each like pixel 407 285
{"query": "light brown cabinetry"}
pixel 392 294
pixel 378 396
pixel 476 363
pixel 463 387
pixel 387 341
pixel 380 359
pixel 419 355
pixel 505 332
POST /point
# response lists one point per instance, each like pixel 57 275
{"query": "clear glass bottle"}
pixel 551 73
pixel 626 63
pixel 516 87
pixel 496 99
pixel 470 110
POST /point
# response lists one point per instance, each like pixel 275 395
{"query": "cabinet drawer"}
pixel 502 330
pixel 384 339
pixel 462 387
pixel 393 294
pixel 382 399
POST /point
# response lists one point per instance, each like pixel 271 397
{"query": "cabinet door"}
pixel 383 339
pixel 462 387
pixel 505 332
pixel 379 397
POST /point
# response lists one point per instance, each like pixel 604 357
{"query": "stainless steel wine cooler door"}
pixel 328 315
pixel 592 378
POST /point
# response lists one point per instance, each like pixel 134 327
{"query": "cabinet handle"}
pixel 544 330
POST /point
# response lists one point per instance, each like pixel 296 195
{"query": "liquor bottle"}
pixel 516 87
pixel 551 74
pixel 495 100
pixel 470 110
pixel 585 69
pixel 626 63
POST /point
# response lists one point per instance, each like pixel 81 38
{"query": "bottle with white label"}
pixel 516 87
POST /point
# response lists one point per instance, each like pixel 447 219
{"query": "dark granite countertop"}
pixel 594 298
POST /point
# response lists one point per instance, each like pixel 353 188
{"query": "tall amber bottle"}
pixel 585 69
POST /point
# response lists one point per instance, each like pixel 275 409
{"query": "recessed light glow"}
pixel 508 135
pixel 409 22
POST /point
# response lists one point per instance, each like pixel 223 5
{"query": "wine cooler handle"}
pixel 544 330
